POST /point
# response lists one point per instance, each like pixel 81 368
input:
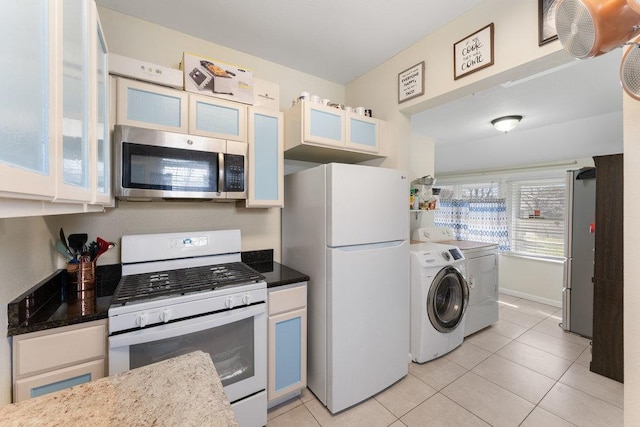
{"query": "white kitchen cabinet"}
pixel 50 126
pixel 318 133
pixel 362 133
pixel 28 118
pixel 102 86
pixel 287 349
pixel 266 160
pixel 152 106
pixel 51 360
pixel 217 118
pixel 322 125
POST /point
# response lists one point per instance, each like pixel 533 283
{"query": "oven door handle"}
pixel 183 327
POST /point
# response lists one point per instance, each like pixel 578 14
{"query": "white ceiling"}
pixel 573 112
pixel 333 39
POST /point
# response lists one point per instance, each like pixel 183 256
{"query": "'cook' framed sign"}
pixel 411 83
pixel 473 52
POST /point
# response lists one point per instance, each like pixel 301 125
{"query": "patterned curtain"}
pixel 479 220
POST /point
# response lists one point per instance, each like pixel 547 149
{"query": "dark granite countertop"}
pixel 275 274
pixel 45 305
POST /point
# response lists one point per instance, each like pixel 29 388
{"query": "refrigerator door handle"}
pixel 566 309
pixel 370 246
pixel 566 279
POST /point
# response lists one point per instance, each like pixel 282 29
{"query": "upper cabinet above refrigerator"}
pixel 321 133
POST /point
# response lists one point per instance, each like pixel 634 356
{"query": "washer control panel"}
pixel 436 254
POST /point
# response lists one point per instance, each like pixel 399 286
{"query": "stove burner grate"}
pixel 184 280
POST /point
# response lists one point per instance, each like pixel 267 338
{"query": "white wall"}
pixel 532 278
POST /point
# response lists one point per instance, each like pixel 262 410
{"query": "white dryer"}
pixel 481 272
pixel 439 298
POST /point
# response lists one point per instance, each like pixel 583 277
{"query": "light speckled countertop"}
pixel 182 391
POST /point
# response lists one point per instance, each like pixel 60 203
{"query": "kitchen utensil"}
pixel 588 28
pixel 630 69
pixel 64 250
pixel 103 246
pixel 93 250
pixel 63 239
pixel 77 242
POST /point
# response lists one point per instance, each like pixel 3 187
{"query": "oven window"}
pixel 171 169
pixel 231 348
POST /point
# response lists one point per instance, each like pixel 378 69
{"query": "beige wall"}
pixel 143 40
pixel 26 257
pixel 516 55
pixel 534 279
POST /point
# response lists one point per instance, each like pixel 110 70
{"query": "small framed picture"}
pixel 547 21
pixel 411 83
pixel 473 52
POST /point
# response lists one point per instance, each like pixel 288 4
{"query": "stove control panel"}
pixel 156 312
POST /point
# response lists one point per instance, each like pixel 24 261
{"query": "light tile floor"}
pixel 522 371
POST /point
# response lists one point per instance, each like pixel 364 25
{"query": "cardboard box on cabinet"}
pixel 212 77
pixel 266 94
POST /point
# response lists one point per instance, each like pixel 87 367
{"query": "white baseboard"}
pixel 530 297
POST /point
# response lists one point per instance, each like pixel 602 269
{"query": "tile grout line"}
pixel 511 340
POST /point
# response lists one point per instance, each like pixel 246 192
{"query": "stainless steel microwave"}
pixel 158 165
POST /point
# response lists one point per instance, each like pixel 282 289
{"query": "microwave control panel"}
pixel 233 173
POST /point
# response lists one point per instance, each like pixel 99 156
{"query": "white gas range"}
pixel 189 291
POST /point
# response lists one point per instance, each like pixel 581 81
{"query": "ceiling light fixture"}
pixel 506 123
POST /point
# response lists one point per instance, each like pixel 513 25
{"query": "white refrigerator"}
pixel 347 227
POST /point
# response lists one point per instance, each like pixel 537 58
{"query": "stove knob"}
pixel 246 300
pixel 229 303
pixel 142 319
pixel 165 316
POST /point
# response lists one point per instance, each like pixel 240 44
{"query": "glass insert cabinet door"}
pixel 75 120
pixel 287 353
pixel 324 125
pixel 217 118
pixel 25 84
pixel 266 140
pixel 151 106
pixel 362 133
pixel 103 188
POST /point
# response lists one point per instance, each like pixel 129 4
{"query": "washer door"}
pixel 447 300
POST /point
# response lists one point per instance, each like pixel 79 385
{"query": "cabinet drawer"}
pixel 52 350
pixel 60 379
pixel 287 300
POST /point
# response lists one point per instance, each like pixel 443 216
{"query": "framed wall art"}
pixel 473 52
pixel 411 83
pixel 547 21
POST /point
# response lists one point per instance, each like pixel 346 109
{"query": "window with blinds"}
pixel 535 210
pixel 537 216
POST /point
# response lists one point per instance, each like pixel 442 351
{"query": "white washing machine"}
pixel 439 298
pixel 481 272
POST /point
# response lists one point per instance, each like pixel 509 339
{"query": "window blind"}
pixel 537 216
